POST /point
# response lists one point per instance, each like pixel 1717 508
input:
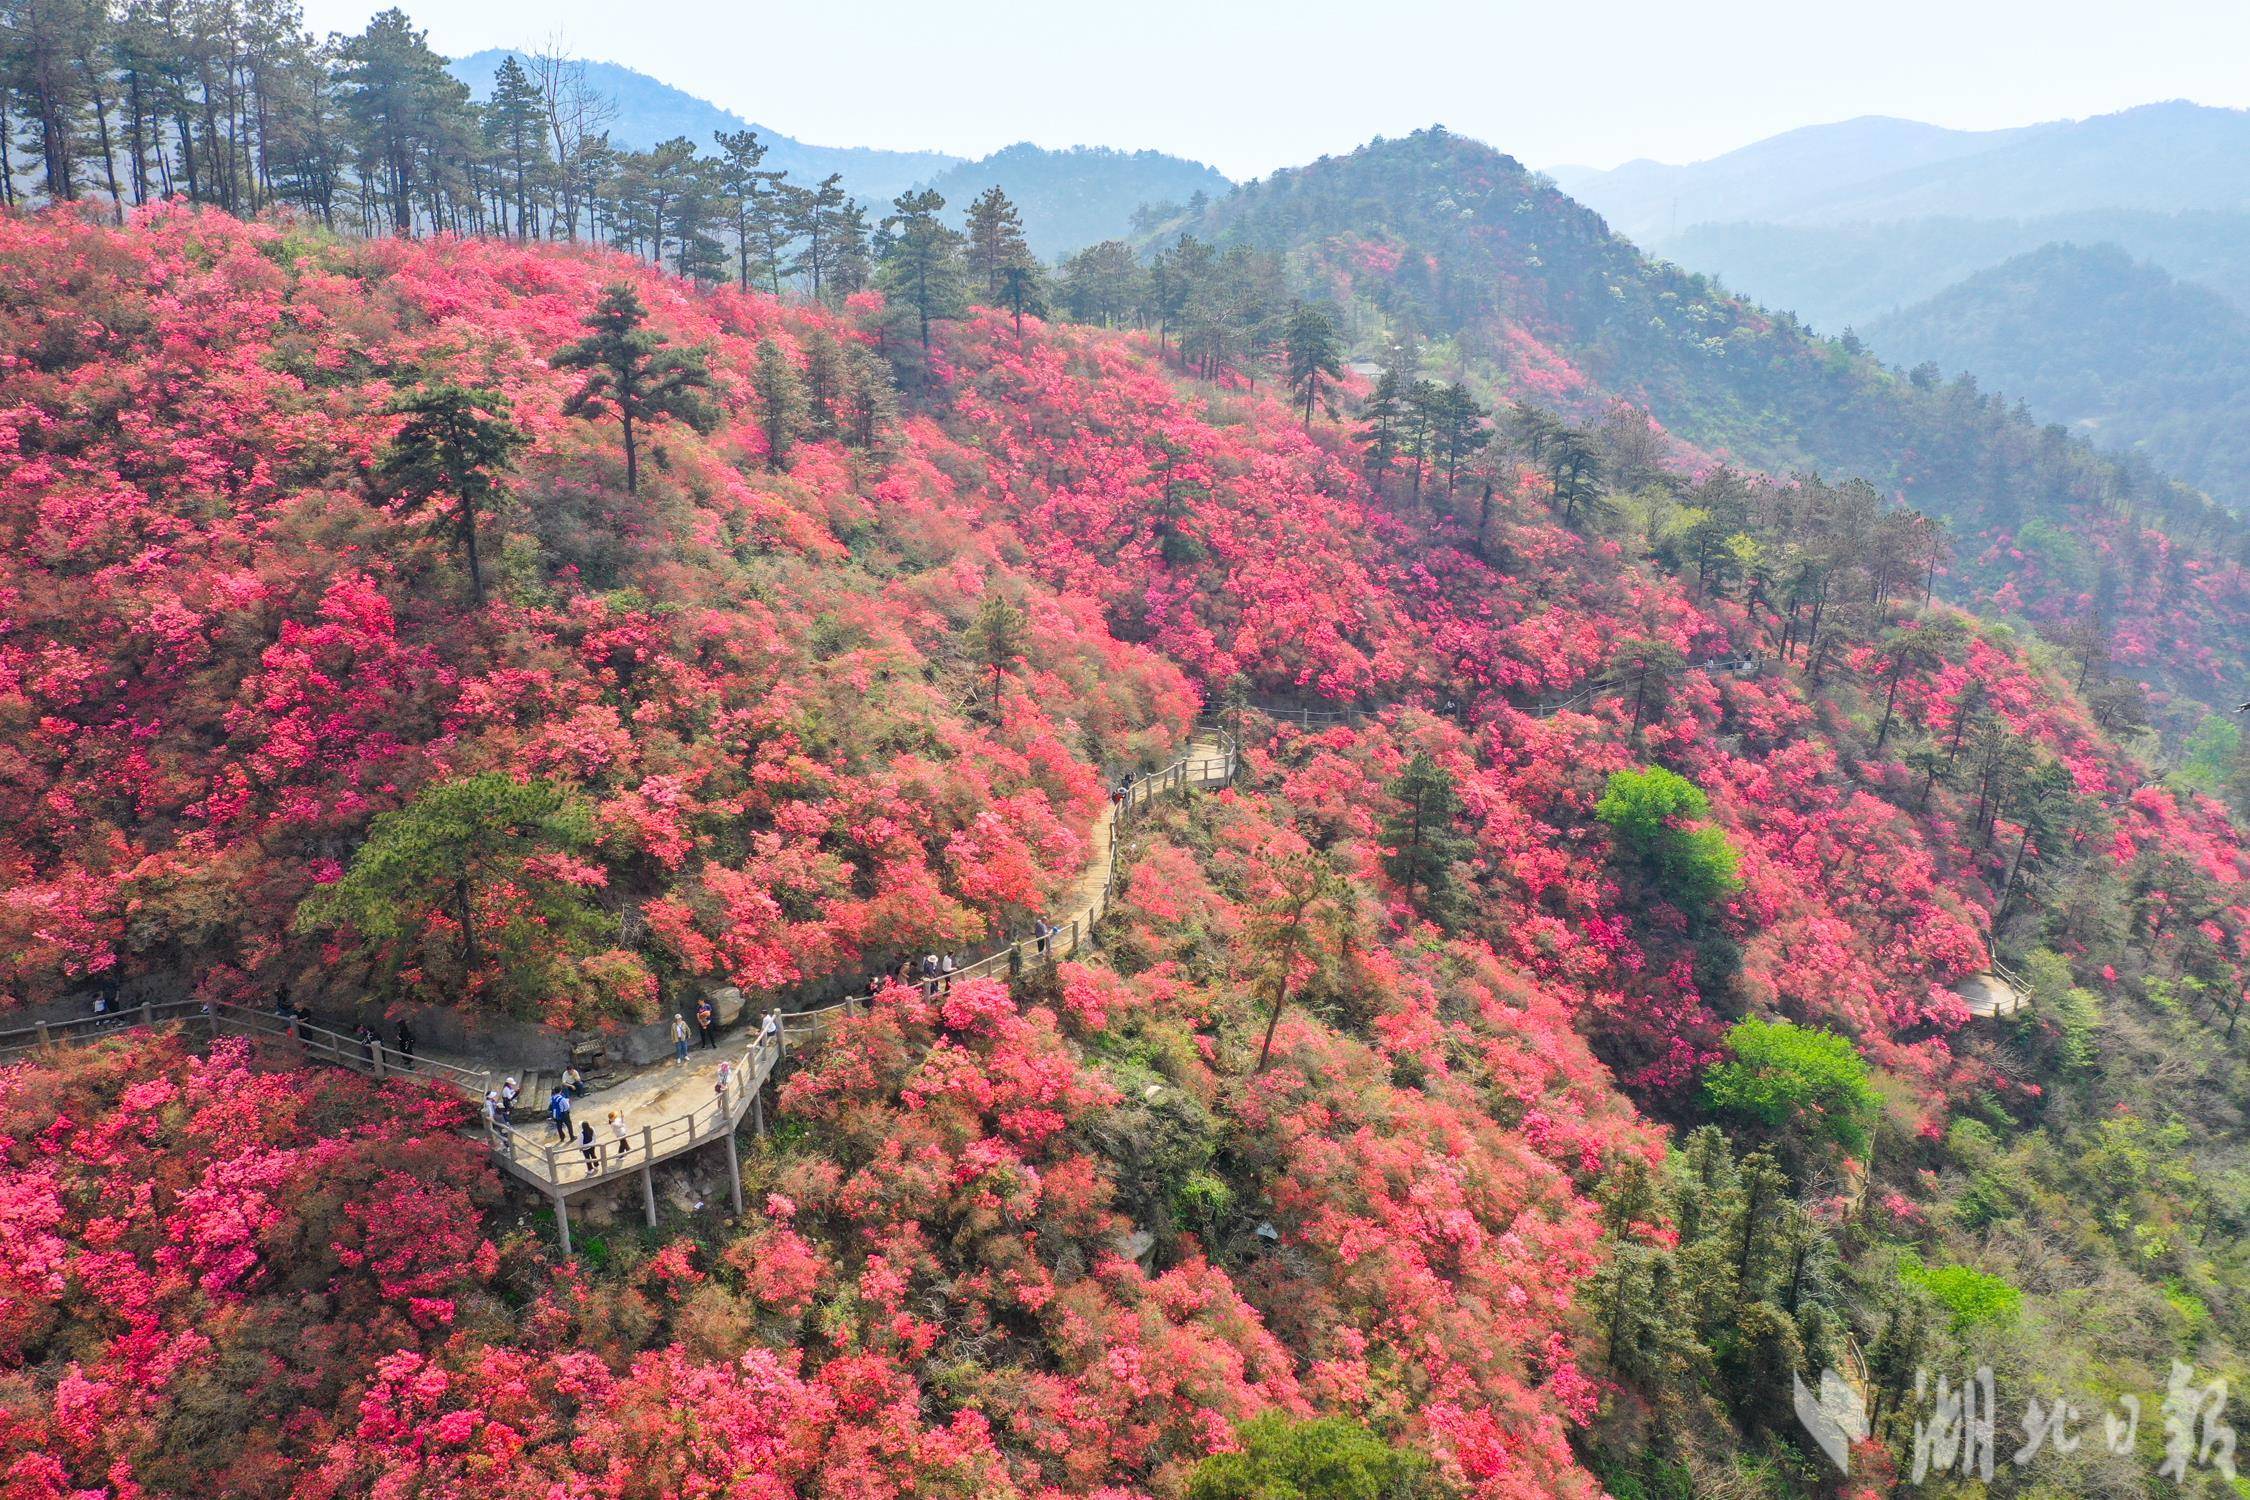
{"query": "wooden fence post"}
pixel 648 1192
pixel 734 1171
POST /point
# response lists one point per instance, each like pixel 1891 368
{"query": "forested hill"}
pixel 1445 246
pixel 2117 349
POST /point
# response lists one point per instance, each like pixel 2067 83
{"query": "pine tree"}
pixel 781 401
pixel 1424 837
pixel 414 895
pixel 997 637
pixel 995 241
pixel 828 376
pixel 1313 348
pixel 1384 414
pixel 753 204
pixel 922 261
pixel 1104 284
pixel 874 401
pixel 515 123
pixel 452 447
pixel 1022 290
pixel 636 373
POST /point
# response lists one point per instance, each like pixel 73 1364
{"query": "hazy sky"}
pixel 1251 87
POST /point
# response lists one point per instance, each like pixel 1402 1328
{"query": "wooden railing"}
pixel 556 1167
pixel 561 1171
pixel 225 1017
pixel 1212 767
pixel 1330 715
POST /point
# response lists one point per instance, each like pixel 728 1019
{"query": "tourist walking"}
pixel 617 1131
pixel 509 1088
pixel 558 1110
pixel 679 1037
pixel 491 1107
pixel 706 1023
pixel 588 1149
pixel 406 1041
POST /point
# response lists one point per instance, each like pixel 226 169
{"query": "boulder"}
pixel 728 1002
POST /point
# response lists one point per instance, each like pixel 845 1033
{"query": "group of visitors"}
pixel 560 1098
pixel 290 1011
pixel 936 974
pixel 706 1029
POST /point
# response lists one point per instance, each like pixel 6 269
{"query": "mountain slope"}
pixel 1079 197
pixel 1362 1108
pixel 2118 350
pixel 649 110
pixel 1435 235
pixel 2159 158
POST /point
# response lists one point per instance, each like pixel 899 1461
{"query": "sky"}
pixel 1252 87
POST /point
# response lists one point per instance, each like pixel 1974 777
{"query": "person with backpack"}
pixel 706 1023
pixel 679 1037
pixel 929 975
pixel 558 1110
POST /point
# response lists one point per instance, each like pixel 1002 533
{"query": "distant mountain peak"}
pixel 650 110
pixel 2166 156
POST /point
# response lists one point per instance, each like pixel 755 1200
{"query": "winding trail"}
pixel 668 1109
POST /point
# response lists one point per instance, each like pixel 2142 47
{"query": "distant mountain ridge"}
pixel 650 110
pixel 1079 197
pixel 2159 158
pixel 1847 275
pixel 2115 349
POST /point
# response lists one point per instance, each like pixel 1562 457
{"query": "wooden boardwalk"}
pixel 561 1172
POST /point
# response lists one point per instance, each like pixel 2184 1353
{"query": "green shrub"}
pixel 1782 1074
pixel 1973 1298
pixel 1659 818
pixel 1328 1458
